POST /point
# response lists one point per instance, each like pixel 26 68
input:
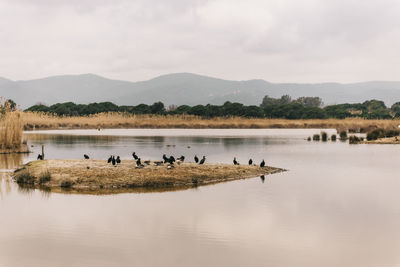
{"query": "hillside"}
pixel 184 88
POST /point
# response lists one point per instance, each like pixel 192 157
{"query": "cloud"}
pixel 302 41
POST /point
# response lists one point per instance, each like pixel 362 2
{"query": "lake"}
pixel 337 205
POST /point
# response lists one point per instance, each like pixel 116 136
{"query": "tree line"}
pixel 284 107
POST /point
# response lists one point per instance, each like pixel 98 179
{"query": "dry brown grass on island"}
pixel 36 121
pixel 97 174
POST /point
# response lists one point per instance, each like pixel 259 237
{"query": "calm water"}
pixel 338 205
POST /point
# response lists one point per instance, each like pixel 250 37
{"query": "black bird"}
pixel 235 162
pixel 109 159
pixel 86 156
pixel 138 162
pixel 182 158
pixel 250 161
pixel 202 160
pixel 262 164
pixel 165 158
pixel 118 160
pixel 39 157
pixel 196 159
pixel 113 160
pixel 134 155
pixel 171 160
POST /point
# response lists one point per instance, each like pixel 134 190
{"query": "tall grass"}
pixel 35 120
pixel 11 127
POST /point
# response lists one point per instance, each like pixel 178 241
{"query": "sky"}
pixel 276 40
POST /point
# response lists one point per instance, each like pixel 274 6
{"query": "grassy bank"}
pixel 97 174
pixel 36 121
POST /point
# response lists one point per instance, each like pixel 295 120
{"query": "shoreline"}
pixel 92 175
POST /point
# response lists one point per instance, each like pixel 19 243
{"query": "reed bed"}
pixel 36 121
pixel 11 129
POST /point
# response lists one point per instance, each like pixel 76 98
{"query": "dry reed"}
pixel 122 120
pixel 11 128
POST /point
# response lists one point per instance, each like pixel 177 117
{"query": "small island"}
pixel 98 174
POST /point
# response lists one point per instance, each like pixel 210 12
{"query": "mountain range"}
pixel 185 88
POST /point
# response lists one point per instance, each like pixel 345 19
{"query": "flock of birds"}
pixel 170 160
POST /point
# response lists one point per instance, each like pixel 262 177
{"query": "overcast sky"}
pixel 275 40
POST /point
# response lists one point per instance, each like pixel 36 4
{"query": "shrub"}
pixel 316 137
pixel 381 133
pixel 343 135
pixel 66 183
pixel 355 139
pixel 309 138
pixel 333 137
pixel 324 136
pixel 44 177
pixel 25 178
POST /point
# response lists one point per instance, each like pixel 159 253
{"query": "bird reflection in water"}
pixel 262 177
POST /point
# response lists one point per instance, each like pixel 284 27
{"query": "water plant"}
pixel 333 137
pixel 324 136
pixel 353 139
pixel 316 137
pixel 66 183
pixel 343 135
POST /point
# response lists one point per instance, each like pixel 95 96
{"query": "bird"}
pixel 165 158
pixel 118 160
pixel 134 155
pixel 113 160
pixel 181 158
pixel 202 160
pixel 235 161
pixel 138 162
pixel 86 156
pixel 196 159
pixel 250 161
pixel 39 157
pixel 171 160
pixel 262 164
pixel 109 159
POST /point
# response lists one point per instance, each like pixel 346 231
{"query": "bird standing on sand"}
pixel 171 160
pixel 86 156
pixel 196 159
pixel 250 161
pixel 262 164
pixel 202 160
pixel 39 157
pixel 134 155
pixel 109 159
pixel 113 160
pixel 235 161
pixel 118 160
pixel 138 162
pixel 181 158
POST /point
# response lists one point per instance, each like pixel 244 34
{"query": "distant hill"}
pixel 185 88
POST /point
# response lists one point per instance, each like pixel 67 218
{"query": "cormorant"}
pixel 86 156
pixel 134 155
pixel 250 162
pixel 182 158
pixel 196 159
pixel 235 162
pixel 171 160
pixel 138 162
pixel 202 160
pixel 165 158
pixel 39 157
pixel 113 160
pixel 262 164
pixel 118 160
pixel 109 159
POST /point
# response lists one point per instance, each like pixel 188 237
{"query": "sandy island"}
pixel 386 140
pixel 98 174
